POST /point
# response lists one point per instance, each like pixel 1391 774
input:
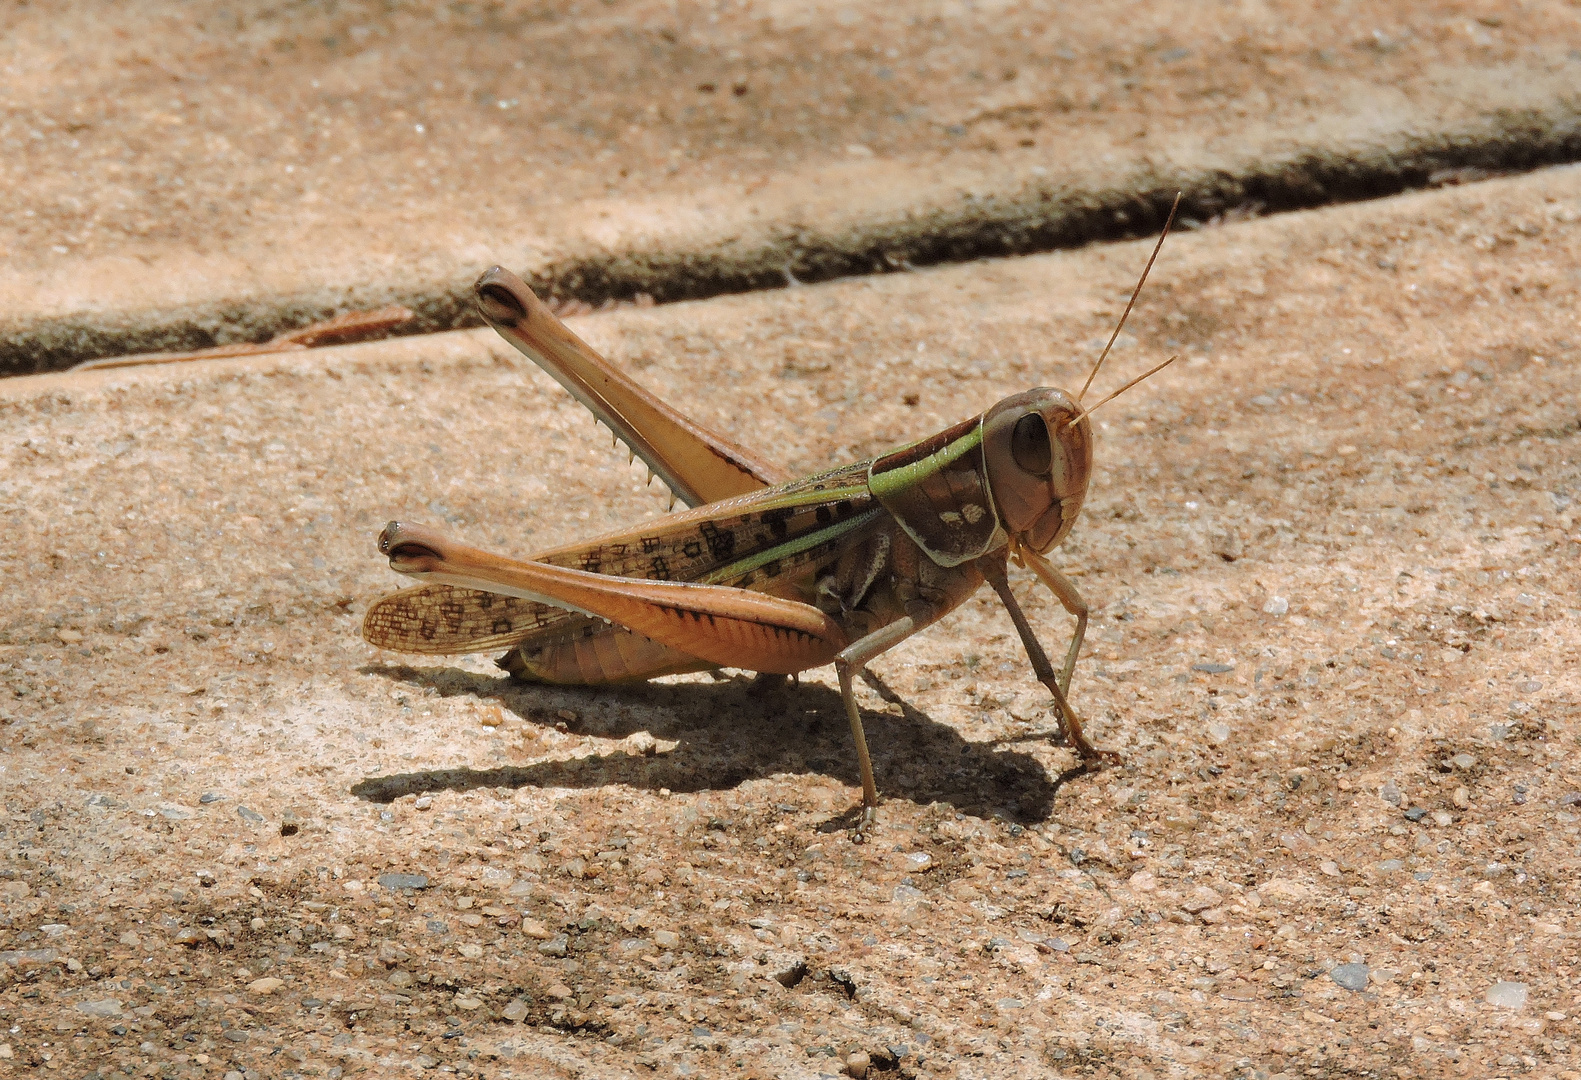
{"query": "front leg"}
pixel 851 660
pixel 992 568
pixel 1063 588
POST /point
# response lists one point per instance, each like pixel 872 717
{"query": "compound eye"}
pixel 1029 445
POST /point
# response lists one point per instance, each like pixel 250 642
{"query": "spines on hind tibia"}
pixel 609 654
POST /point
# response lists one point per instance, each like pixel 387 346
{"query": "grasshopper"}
pixel 765 572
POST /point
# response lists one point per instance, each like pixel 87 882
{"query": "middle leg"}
pixel 851 660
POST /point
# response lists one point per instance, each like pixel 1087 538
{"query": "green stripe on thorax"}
pixel 805 542
pixel 894 478
pixel 938 491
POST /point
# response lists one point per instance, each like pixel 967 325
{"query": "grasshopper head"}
pixel 1038 463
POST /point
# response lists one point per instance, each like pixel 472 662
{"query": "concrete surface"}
pixel 180 177
pixel 1333 560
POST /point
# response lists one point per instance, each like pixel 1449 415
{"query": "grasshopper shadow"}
pixel 729 732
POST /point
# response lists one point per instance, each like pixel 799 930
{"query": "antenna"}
pixel 1093 374
pixel 1083 413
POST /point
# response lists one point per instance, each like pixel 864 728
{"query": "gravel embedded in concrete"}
pixel 219 175
pixel 205 535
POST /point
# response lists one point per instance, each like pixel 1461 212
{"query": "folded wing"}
pixel 442 620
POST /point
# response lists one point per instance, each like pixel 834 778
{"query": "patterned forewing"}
pixel 702 544
pixel 443 620
pixel 752 541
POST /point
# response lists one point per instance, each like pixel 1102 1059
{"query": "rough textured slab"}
pixel 1333 558
pixel 185 177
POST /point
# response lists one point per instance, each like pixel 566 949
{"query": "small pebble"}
pixel 1277 605
pixel 786 968
pixel 397 882
pixel 103 1007
pixel 515 1012
pixel 1507 995
pixel 857 1064
pixel 1201 898
pixel 210 797
pixel 423 802
pixel 1350 976
pixel 666 939
pixel 558 945
pixel 1213 669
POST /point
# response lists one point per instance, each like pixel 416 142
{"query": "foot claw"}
pixel 864 828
